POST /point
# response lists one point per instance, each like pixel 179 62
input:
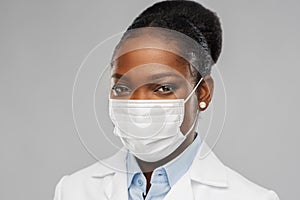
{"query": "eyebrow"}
pixel 153 77
pixel 119 76
pixel 165 74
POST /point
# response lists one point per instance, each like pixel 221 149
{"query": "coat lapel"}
pixel 182 189
pixel 208 169
pixel 205 170
pixel 118 189
pixel 114 176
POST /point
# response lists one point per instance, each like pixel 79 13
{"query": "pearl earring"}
pixel 202 104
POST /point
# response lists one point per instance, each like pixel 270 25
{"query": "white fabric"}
pixel 207 179
pixel 149 129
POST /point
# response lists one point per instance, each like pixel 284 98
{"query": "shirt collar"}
pixel 132 168
pixel 177 167
pixel 174 169
pixel 206 169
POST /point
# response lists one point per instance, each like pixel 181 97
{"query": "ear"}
pixel 205 91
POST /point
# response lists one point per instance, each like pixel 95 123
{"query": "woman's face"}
pixel 154 74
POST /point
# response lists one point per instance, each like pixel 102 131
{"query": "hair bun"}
pixel 187 17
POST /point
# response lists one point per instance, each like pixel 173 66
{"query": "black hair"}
pixel 189 18
pixel 198 21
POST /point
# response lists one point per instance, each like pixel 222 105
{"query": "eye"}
pixel 121 90
pixel 166 89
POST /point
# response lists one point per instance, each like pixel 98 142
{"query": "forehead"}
pixel 147 51
pixel 141 39
pixel 149 57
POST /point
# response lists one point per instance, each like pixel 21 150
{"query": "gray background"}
pixel 42 44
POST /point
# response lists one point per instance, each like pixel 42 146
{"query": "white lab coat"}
pixel 206 179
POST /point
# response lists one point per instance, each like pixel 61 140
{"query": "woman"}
pixel 160 74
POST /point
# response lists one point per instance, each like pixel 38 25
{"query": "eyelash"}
pixel 171 88
pixel 122 87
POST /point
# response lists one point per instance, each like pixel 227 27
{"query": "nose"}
pixel 140 94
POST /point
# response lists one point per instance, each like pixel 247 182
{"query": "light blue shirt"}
pixel 163 178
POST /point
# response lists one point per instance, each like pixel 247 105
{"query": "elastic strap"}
pixel 186 99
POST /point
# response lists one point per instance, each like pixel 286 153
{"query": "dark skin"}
pixel 158 74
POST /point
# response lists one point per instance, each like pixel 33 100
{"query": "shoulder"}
pixel 211 176
pixel 75 186
pixel 101 168
pixel 83 175
pixel 89 180
pixel 248 189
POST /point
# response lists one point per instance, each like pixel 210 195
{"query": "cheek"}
pixel 190 111
pixel 184 90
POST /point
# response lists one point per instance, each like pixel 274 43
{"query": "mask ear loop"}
pixel 188 97
pixel 197 114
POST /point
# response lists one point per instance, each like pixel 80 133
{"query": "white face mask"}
pixel 150 129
